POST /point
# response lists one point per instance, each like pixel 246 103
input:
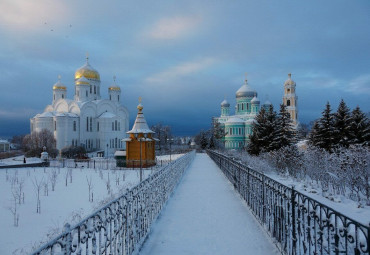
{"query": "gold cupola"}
pixel 59 85
pixel 114 86
pixel 87 71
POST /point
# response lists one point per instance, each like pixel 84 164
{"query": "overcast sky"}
pixel 184 57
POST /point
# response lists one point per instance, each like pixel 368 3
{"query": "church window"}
pixel 288 90
pixel 119 126
pixel 55 125
pixel 118 98
pixel 231 131
pixel 86 93
pixel 238 107
pixel 78 93
pixel 110 97
pixel 94 89
pixel 62 95
pixel 54 97
pixel 74 125
pixel 112 126
pixel 116 143
pixel 87 124
pixel 288 102
pixel 242 107
pixel 115 125
pixel 90 124
pixel 97 127
pixel 247 106
pixel 90 89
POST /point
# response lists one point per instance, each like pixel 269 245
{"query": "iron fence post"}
pixel 263 199
pixel 293 222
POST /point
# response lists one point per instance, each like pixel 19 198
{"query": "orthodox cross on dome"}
pixel 114 78
pixel 140 98
pixel 245 74
pixel 290 75
pixel 87 57
pixel 59 77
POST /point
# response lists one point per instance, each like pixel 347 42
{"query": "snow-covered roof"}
pixel 255 100
pixel 56 114
pixel 250 121
pixel 246 91
pixel 140 126
pixel 120 153
pixel 225 103
pixel 267 102
pixel 107 115
pixel 235 120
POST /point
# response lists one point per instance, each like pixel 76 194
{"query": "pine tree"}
pixel 313 137
pixel 285 133
pixel 359 128
pixel 269 130
pixel 325 132
pixel 254 146
pixel 342 120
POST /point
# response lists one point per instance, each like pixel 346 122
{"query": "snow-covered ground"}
pixel 18 161
pixel 206 216
pixel 167 157
pixel 66 204
pixel 339 203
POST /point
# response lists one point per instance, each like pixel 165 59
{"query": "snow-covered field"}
pixel 18 161
pixel 69 202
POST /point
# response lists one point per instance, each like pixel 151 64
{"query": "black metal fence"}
pixel 104 163
pixel 122 225
pixel 298 223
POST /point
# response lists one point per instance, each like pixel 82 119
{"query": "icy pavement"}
pixel 206 216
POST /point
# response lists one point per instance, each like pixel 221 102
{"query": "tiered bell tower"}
pixel 290 99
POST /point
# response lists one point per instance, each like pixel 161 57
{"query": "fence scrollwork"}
pixel 121 226
pixel 298 223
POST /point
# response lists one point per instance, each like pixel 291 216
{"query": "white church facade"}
pixel 88 120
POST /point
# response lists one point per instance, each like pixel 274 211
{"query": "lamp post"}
pixel 170 140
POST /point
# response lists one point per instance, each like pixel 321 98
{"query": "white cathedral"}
pixel 88 120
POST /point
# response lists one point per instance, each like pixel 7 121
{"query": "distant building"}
pixel 238 127
pixel 87 120
pixel 4 146
pixel 140 146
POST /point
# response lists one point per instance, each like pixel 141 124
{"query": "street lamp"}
pixel 170 140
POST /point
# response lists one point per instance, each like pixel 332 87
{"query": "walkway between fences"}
pixel 206 216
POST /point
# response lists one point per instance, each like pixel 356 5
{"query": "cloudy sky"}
pixel 184 57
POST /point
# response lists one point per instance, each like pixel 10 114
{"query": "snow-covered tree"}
pixel 342 120
pixel 284 133
pixel 359 128
pixel 325 136
pixel 254 146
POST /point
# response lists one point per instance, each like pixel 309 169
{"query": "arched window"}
pixel 54 97
pixel 62 95
pixel 288 102
pixel 74 125
pixel 112 126
pixel 86 94
pixel 110 97
pixel 94 89
pixel 118 98
pixel 90 89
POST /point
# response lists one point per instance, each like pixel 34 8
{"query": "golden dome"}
pixel 87 71
pixel 115 88
pixel 82 81
pixel 59 84
pixel 59 87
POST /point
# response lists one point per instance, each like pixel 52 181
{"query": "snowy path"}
pixel 206 216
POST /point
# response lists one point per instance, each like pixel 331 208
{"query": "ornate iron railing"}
pixel 298 223
pixel 121 226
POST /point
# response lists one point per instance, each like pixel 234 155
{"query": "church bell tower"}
pixel 290 99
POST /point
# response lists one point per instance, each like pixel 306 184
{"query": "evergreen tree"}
pixel 359 128
pixel 325 133
pixel 313 137
pixel 342 120
pixel 203 140
pixel 269 130
pixel 263 132
pixel 285 133
pixel 254 146
pixel 212 142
